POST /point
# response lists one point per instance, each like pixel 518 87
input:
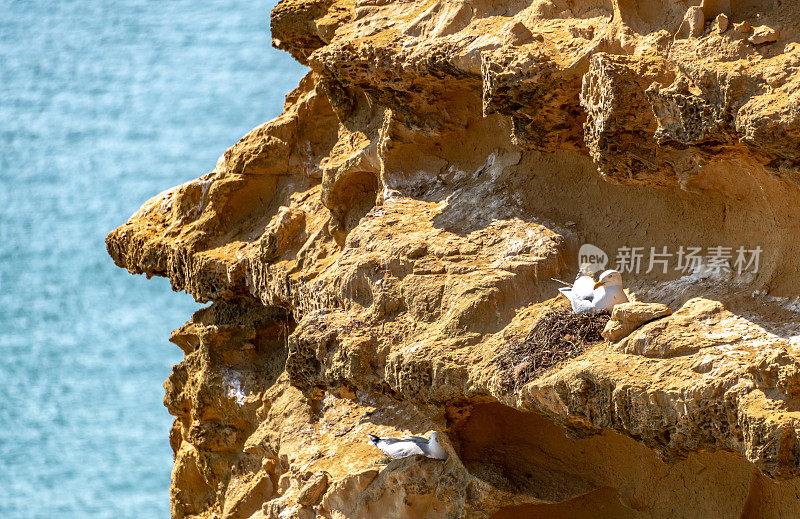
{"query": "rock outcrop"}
pixel 370 253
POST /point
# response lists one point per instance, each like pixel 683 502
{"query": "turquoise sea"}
pixel 102 105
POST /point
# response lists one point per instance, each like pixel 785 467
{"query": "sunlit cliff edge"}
pixel 371 253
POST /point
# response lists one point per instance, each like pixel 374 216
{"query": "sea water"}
pixel 103 104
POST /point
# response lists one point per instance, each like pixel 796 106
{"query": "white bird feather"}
pixel 406 446
pixel 597 297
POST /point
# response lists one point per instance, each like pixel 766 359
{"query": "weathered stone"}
pixel 686 331
pixel 743 27
pixel 518 33
pixel 627 317
pixel 313 490
pixel 763 34
pixel 372 252
pixel 714 8
pixel 693 23
pixel 243 499
pixel 721 23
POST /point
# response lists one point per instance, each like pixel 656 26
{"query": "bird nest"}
pixel 557 336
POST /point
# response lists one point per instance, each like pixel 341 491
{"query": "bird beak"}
pixel 599 284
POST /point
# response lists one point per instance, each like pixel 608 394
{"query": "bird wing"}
pixel 416 439
pixel 401 448
pixel 391 441
pixel 580 305
pixel 583 287
pixel 566 292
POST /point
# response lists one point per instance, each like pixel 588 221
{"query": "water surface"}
pixel 102 105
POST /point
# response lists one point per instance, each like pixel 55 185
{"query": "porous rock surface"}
pixel 370 253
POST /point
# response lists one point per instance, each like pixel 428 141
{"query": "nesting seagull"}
pixel 586 296
pixel 578 292
pixel 410 446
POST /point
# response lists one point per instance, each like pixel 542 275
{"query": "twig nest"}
pixel 626 317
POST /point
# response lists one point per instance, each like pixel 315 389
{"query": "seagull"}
pixel 579 293
pixel 608 291
pixel 604 295
pixel 406 446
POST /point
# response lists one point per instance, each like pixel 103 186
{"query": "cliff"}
pixel 378 256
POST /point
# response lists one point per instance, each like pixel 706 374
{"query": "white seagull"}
pixel 410 446
pixel 579 293
pixel 602 297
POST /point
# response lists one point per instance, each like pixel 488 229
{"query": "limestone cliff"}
pixel 373 253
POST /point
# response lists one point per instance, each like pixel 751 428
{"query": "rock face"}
pixel 627 317
pixel 370 253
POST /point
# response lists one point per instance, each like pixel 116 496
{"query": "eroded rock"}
pixel 721 23
pixel 693 23
pixel 627 317
pixel 371 252
pixel 763 34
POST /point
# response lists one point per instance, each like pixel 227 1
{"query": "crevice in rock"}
pixel 526 453
pixel 602 503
